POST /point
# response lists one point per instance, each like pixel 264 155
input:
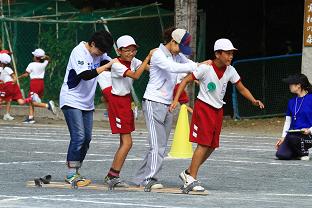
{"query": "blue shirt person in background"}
pixel 297 132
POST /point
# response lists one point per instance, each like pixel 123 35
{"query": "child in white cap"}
pixel 126 69
pixel 208 113
pixel 11 90
pixel 7 116
pixel 36 70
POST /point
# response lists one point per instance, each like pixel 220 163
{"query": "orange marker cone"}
pixel 181 146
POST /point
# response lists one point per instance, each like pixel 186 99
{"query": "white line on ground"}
pixel 93 201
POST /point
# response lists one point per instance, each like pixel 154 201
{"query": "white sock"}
pixel 72 171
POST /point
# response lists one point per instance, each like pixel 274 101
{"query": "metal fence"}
pixel 58 34
pixel 263 77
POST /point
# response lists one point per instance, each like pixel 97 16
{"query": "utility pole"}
pixel 307 40
pixel 186 18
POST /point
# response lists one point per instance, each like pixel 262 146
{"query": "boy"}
pixel 120 114
pixel 208 113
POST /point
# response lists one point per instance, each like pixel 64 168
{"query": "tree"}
pixel 186 17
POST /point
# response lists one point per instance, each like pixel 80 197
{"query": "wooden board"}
pixel 102 187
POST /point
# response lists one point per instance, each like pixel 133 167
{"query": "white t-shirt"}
pixel 6 73
pixel 121 85
pixel 207 76
pixel 75 92
pixel 180 77
pixel 164 68
pixel 36 70
pixel 105 79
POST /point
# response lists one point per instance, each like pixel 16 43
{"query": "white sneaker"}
pixel 187 180
pixel 35 98
pixel 305 158
pixel 156 185
pixel 51 107
pixel 7 117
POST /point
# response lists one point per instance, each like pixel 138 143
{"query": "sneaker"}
pixel 304 158
pixel 51 107
pixel 183 176
pixel 7 117
pixel 81 181
pixel 156 184
pixel 29 121
pixel 188 179
pixel 35 98
pixel 120 183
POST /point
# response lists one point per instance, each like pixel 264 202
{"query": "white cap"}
pixel 125 41
pixel 5 58
pixel 38 52
pixel 223 45
pixel 183 38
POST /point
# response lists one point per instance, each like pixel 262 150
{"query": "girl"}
pixel 167 61
pixel 11 90
pixel 7 115
pixel 36 70
pixel 296 137
pixel 77 98
pixel 121 118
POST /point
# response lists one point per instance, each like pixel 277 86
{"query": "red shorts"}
pixel 120 114
pixel 183 97
pixel 107 92
pixel 12 91
pixel 206 124
pixel 36 86
pixel 2 91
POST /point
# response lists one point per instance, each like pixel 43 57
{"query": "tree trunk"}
pixel 186 18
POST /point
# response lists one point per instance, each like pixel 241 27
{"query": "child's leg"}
pixel 189 109
pixel 31 110
pixel 8 107
pixel 121 154
pixel 40 105
pixel 284 152
pixel 200 155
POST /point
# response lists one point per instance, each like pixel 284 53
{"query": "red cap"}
pixel 6 51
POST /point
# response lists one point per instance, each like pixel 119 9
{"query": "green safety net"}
pixel 33 24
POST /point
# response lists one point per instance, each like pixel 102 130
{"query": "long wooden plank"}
pixel 102 187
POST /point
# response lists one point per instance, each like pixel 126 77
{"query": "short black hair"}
pixel 167 34
pixel 103 40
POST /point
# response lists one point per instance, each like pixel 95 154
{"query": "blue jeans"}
pixel 79 124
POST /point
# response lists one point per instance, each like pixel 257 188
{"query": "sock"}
pixel 187 172
pixel 28 100
pixel 47 106
pixel 30 117
pixel 72 171
pixel 112 173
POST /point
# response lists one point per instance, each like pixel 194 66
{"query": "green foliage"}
pixel 59 50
